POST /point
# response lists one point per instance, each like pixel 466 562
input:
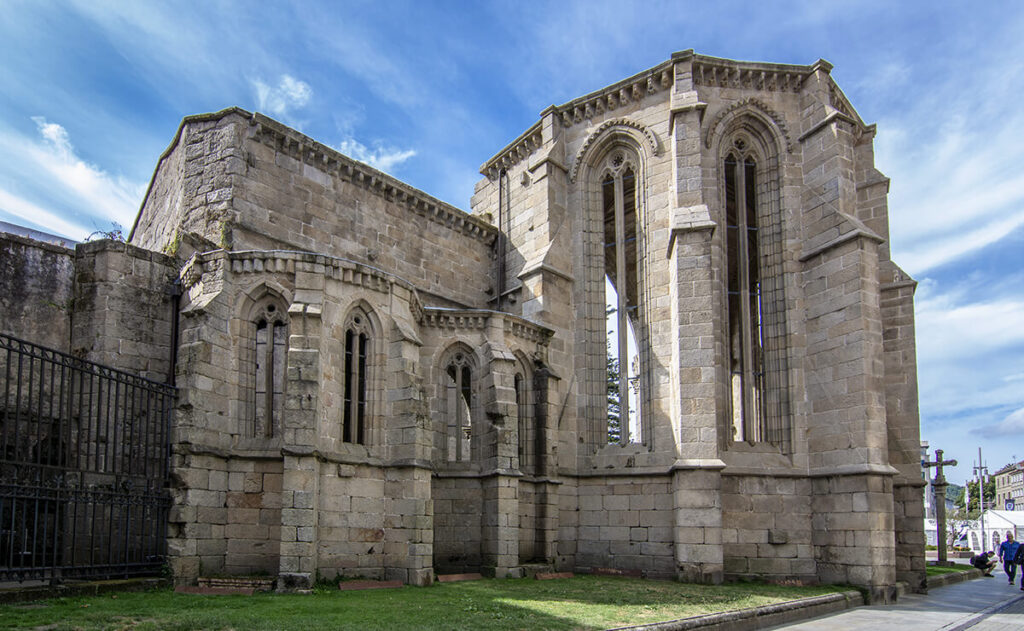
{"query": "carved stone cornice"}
pixel 439 318
pixel 838 100
pixel 514 152
pixel 726 73
pixel 526 330
pixel 617 95
pixel 335 164
pixel 289 262
pixel 478 319
pixel 750 102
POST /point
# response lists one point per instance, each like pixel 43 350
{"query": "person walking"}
pixel 1007 554
pixel 1018 559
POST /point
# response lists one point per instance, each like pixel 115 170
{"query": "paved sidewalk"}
pixel 983 604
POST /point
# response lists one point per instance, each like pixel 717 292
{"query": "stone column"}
pixel 853 510
pixel 500 449
pixel 300 485
pixel 408 502
pixel 696 480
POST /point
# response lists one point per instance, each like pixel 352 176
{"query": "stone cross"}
pixel 939 485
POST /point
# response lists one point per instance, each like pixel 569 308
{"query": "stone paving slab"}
pixel 1007 618
pixel 965 605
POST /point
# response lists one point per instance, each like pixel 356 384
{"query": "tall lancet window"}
pixel 354 405
pixel 458 397
pixel 619 202
pixel 746 339
pixel 269 357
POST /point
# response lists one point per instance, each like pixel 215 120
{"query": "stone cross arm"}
pixel 938 463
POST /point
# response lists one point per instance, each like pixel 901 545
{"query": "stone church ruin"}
pixel 371 382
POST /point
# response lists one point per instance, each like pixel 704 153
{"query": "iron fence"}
pixel 83 467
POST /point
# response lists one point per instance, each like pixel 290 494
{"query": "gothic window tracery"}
pixel 357 348
pixel 746 352
pixel 268 350
pixel 458 398
pixel 526 418
pixel 620 210
pixel 755 304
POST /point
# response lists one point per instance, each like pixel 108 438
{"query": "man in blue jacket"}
pixel 1008 554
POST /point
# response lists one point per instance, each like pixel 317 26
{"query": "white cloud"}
pixel 112 198
pixel 1012 425
pixel 383 158
pixel 289 93
pixel 953 154
pixel 952 245
pixel 949 330
pixel 33 214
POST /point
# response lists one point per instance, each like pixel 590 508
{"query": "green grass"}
pixel 580 603
pixel 936 570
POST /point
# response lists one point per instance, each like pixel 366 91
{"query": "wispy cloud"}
pixel 289 93
pixel 28 212
pixel 113 198
pixel 379 157
pixel 953 155
pixel 967 329
pixel 1012 425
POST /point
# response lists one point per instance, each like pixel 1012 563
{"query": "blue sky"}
pixel 92 92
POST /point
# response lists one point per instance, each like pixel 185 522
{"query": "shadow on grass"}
pixel 581 603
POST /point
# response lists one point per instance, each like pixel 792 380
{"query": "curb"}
pixel 953 578
pixel 759 617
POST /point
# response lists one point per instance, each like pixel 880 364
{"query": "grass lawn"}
pixel 580 603
pixel 936 570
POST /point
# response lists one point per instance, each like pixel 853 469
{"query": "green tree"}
pixel 614 414
pixel 972 492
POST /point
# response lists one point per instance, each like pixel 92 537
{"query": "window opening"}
pixel 746 340
pixel 459 405
pixel 270 353
pixel 618 199
pixel 522 416
pixel 354 408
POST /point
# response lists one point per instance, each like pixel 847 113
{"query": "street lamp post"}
pixel 981 471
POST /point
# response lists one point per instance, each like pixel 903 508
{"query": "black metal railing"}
pixel 83 467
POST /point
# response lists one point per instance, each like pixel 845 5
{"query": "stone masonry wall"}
pixel 288 199
pixel 766 528
pixel 351 522
pixel 189 197
pixel 458 514
pixel 904 433
pixel 123 307
pixel 853 532
pixel 36 291
pixel 625 523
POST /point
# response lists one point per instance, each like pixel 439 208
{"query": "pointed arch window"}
pixel 269 351
pixel 755 304
pixel 458 397
pixel 622 300
pixel 354 415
